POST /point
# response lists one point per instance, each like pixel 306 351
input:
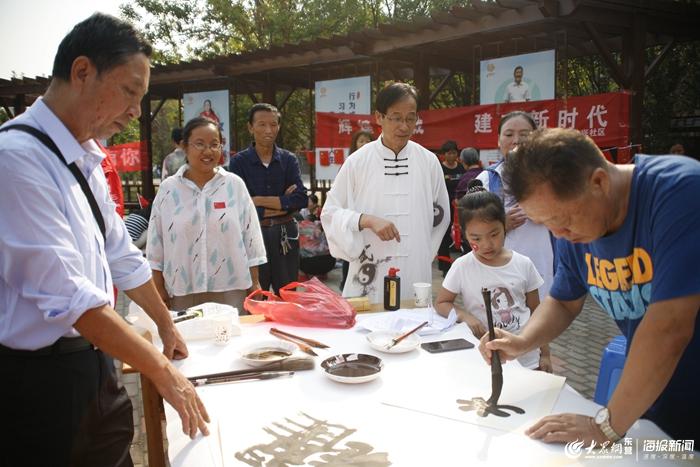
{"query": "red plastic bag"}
pixel 314 306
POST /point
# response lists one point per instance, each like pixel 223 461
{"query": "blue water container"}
pixel 611 365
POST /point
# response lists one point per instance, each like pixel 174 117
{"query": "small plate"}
pixel 267 351
pixel 352 368
pixel 379 340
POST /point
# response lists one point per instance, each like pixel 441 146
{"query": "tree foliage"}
pixel 200 29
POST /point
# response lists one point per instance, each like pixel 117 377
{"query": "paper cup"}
pixel 422 291
pixel 223 328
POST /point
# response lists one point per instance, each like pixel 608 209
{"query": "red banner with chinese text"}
pixel 127 157
pixel 603 117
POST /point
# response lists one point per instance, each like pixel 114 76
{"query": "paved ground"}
pixel 575 355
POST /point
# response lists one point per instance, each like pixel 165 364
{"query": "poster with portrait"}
pixel 519 78
pixel 341 96
pixel 213 105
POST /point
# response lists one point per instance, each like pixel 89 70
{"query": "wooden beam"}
pixel 440 86
pixel 285 98
pixel 160 106
pixel 549 8
pixel 615 70
pixel 659 58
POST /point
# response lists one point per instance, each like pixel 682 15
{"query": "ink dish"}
pixel 352 368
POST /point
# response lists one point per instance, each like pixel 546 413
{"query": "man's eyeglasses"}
pixel 202 147
pixel 397 119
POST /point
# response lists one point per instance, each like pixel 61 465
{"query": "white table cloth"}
pixel 263 418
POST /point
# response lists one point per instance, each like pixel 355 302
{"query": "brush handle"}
pixel 311 342
pixel 288 364
pixel 258 375
pixel 396 340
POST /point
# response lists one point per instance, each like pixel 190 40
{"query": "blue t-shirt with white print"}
pixel 654 256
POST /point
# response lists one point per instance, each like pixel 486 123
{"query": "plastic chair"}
pixel 611 365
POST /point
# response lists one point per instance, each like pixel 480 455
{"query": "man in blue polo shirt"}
pixel 628 236
pixel 274 182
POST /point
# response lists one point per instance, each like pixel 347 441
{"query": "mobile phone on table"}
pixel 447 345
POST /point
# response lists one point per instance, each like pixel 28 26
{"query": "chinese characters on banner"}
pixel 603 117
pixel 126 157
pixel 340 96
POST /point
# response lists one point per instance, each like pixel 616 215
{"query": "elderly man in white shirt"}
pixel 63 247
pixel 389 205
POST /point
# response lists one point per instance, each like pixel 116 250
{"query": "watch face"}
pixel 601 416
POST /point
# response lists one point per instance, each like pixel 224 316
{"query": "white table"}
pixel 424 440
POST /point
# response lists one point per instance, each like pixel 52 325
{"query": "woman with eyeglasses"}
pixel 522 235
pixel 204 238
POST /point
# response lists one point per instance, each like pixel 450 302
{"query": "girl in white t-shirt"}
pixel 510 276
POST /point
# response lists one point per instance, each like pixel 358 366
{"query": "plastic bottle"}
pixel 392 290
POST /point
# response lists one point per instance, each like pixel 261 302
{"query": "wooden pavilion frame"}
pixel 442 45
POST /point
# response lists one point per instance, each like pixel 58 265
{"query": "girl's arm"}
pixel 446 302
pixel 532 299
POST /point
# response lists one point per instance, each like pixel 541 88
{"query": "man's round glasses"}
pixel 201 146
pixel 396 119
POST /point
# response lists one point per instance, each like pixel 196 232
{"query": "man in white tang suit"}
pixel 388 206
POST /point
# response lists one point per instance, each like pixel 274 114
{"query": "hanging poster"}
pixel 213 105
pixel 520 78
pixel 341 96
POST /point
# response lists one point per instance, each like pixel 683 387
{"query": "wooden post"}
pixel 236 140
pixel 18 105
pixel 421 76
pixel 147 188
pixel 633 66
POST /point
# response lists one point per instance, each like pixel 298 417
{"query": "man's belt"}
pixel 64 345
pixel 270 221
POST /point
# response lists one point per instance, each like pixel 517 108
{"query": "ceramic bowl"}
pixel 379 340
pixel 267 351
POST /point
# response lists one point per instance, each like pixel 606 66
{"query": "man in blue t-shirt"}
pixel 628 236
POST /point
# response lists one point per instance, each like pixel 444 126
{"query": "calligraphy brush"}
pixel 256 376
pixel 496 369
pixel 288 364
pixel 302 346
pixel 311 342
pixel 396 340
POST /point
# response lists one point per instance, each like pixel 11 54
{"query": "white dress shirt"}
pixel 54 264
pixel 204 240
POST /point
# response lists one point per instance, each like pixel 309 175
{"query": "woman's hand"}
pixel 476 326
pixel 515 217
pixel 546 363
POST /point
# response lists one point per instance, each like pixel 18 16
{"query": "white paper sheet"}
pixel 536 392
pixel 404 320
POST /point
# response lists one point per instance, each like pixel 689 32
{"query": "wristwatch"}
pixel 602 419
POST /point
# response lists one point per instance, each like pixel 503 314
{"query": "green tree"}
pixel 200 29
